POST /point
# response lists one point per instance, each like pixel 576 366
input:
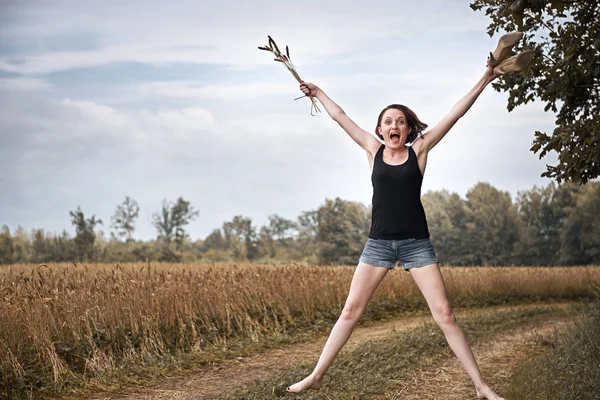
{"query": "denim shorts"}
pixel 410 253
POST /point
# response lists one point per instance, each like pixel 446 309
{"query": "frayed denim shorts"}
pixel 410 253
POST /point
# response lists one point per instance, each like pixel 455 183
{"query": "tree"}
pixel 62 248
pixel 342 229
pixel 451 226
pixel 171 220
pixel 40 246
pixel 307 236
pixel 566 76
pixel 281 228
pixel 6 246
pixel 214 241
pixel 124 218
pixel 21 245
pixel 580 234
pixel 240 237
pixel 85 235
pixel 565 202
pixel 266 244
pixel 494 223
pixel 543 214
pixel 539 226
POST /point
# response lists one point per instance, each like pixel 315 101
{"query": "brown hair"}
pixel 414 123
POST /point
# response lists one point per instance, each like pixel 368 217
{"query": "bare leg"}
pixel 364 282
pixel 429 280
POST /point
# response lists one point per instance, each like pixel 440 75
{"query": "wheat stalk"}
pixel 287 61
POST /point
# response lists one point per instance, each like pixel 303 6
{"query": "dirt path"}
pixel 213 382
pixel 498 356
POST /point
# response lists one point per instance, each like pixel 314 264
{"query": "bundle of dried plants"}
pixel 287 61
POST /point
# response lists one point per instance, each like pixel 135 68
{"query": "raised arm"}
pixel 363 138
pixel 435 134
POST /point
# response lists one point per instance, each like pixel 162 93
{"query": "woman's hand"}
pixel 309 89
pixel 489 72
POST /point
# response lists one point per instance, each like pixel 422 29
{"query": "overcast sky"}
pixel 160 99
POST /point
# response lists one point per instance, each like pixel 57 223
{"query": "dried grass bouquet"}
pixel 287 61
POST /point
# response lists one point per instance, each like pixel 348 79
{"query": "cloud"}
pixel 162 134
pixel 24 84
pixel 229 37
pixel 226 91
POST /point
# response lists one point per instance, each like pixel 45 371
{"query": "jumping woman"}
pixel 399 231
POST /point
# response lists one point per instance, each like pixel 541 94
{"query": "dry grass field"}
pixel 65 325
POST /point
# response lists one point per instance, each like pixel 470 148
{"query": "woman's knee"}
pixel 444 316
pixel 352 311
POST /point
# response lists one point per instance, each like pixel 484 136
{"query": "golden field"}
pixel 64 324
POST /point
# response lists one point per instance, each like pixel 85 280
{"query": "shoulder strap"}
pixel 411 153
pixel 380 152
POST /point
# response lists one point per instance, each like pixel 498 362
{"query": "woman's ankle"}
pixel 317 376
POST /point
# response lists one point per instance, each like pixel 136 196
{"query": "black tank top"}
pixel 397 209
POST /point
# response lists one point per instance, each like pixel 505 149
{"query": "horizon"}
pixel 105 234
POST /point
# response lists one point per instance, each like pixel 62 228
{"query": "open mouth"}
pixel 395 137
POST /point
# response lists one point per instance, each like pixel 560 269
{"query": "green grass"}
pixel 570 370
pixel 363 372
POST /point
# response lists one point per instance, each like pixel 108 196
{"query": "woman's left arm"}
pixel 435 134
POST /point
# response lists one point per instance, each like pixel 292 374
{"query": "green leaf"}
pixel 558 5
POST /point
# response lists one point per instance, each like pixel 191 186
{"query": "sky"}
pixel 158 100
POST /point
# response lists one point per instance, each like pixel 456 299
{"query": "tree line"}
pixel 551 225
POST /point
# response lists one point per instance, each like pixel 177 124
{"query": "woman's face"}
pixel 394 128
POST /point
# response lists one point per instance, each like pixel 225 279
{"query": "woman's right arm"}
pixel 363 138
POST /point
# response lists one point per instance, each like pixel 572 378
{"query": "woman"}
pixel 399 229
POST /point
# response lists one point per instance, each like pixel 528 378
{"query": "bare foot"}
pixel 310 382
pixel 485 392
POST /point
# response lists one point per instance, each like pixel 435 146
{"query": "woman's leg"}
pixel 429 280
pixel 365 281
